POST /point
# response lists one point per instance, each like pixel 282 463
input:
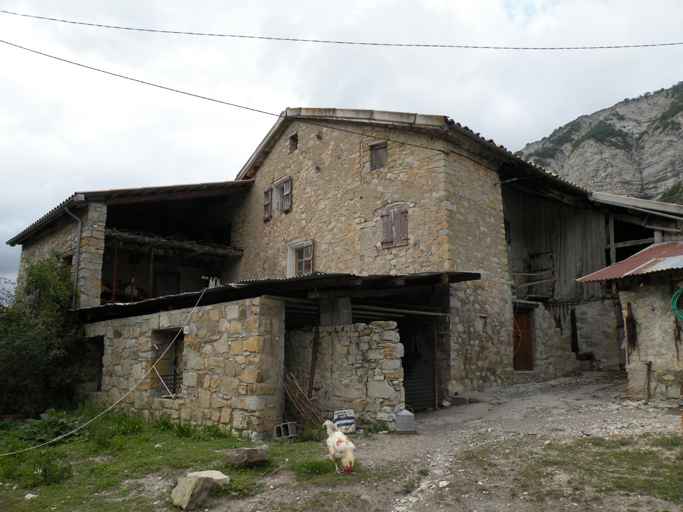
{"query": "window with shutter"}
pixel 277 199
pixel 395 227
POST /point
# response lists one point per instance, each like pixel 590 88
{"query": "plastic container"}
pixel 405 421
pixel 345 420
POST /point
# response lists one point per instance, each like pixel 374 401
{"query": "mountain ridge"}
pixel 633 148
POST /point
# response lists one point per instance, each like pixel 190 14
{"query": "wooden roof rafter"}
pixel 161 242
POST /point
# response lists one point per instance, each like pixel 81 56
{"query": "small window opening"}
pixel 293 142
pixel 169 367
pixel 379 157
pixel 96 366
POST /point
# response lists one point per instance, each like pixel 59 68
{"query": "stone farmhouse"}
pixel 384 259
pixel 650 285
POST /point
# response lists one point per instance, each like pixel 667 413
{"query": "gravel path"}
pixel 434 470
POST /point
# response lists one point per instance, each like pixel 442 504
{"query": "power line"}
pixel 138 80
pixel 235 105
pixel 350 43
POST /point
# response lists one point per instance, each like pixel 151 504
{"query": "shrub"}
pixel 51 425
pixel 43 355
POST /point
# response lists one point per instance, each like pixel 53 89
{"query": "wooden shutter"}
pixel 267 204
pixel 387 228
pixel 308 258
pixel 401 226
pixel 287 194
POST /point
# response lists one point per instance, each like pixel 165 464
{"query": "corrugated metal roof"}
pixel 317 282
pixel 656 258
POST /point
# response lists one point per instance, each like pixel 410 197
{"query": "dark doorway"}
pixel 522 360
pixel 419 364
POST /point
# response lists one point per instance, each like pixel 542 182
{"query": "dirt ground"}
pixel 432 469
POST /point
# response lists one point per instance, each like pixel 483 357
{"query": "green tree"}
pixel 43 353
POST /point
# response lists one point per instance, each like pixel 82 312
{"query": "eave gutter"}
pixel 629 207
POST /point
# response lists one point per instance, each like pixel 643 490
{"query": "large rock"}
pixel 193 489
pixel 253 455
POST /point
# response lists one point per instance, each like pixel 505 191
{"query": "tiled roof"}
pixel 151 193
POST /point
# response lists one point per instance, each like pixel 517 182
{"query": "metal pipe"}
pixel 151 274
pixel 116 258
pixel 78 252
pixel 436 383
pixel 314 358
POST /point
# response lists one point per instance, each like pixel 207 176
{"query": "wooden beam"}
pixel 631 243
pixel 361 308
pixel 166 243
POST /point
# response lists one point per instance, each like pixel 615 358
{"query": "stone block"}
pixel 237 347
pixel 253 376
pixel 217 402
pixel 252 324
pixel 391 336
pixel 390 364
pixel 229 369
pixel 399 350
pixel 204 399
pixel 189 379
pixel 255 455
pixel 191 491
pixel 381 389
pixel 376 354
pixel 254 344
pixel 225 416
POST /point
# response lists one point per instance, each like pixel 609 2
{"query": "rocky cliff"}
pixel 634 148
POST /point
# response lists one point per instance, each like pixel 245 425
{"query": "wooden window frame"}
pixel 379 156
pixel 300 251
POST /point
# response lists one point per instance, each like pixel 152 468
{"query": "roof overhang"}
pixel 318 285
pixel 133 195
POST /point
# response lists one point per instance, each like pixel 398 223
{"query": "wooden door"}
pixel 521 358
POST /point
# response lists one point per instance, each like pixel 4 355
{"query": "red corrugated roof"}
pixel 656 258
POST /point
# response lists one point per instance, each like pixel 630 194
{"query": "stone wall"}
pixel 231 364
pixel 357 367
pixel 659 338
pixel 552 352
pixel 596 324
pixel 62 237
pixel 338 201
pixel 455 223
pixel 481 311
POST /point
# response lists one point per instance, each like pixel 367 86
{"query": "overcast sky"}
pixel 65 128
